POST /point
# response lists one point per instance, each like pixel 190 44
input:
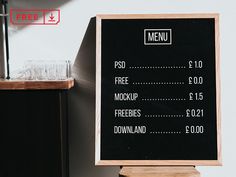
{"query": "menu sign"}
pixel 157 90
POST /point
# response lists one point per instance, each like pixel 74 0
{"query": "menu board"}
pixel 157 90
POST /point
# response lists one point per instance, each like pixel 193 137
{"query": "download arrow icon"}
pixel 51 18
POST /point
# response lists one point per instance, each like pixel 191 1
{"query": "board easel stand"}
pixel 159 171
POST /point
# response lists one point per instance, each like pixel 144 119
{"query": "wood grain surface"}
pixel 36 85
pixel 165 171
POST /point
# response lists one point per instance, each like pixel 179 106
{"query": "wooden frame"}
pixel 98 161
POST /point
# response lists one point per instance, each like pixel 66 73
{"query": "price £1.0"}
pixel 195 64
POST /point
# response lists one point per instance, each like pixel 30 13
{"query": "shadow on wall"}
pixel 82 112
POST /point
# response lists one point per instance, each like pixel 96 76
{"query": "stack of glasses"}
pixel 46 70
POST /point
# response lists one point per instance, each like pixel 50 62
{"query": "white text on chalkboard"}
pixel 157 37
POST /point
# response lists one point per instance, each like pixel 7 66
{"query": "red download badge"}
pixel 52 17
pixel 34 16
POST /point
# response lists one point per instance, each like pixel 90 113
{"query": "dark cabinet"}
pixel 36 138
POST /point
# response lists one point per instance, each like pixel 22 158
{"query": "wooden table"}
pixel 36 85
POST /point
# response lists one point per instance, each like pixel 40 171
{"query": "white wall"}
pixel 63 42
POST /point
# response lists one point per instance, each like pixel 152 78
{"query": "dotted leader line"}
pixel 158 83
pixel 166 132
pixel 165 115
pixel 163 99
pixel 157 67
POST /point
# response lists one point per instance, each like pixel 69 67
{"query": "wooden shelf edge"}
pixel 159 171
pixel 36 84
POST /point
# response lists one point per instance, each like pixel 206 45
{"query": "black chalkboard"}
pixel 157 90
